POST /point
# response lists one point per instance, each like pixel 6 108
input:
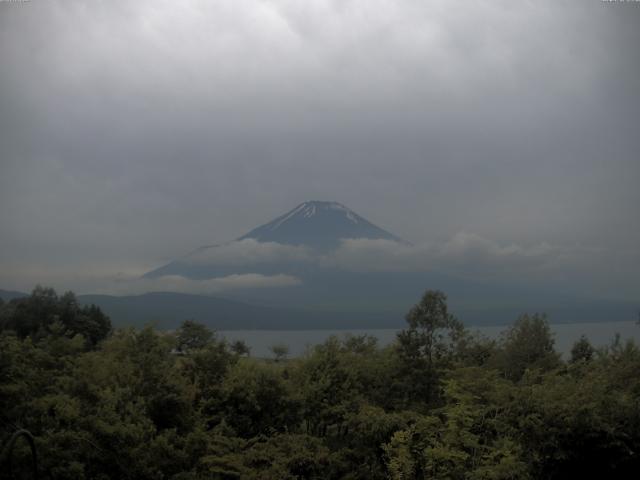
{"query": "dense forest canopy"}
pixel 440 402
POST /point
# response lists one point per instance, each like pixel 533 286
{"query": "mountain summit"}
pixel 318 224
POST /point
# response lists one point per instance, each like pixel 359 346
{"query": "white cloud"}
pixel 595 271
pixel 126 279
pixel 248 252
pixel 464 251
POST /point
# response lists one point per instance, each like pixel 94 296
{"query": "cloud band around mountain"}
pixel 248 252
pixel 462 251
pixel 264 264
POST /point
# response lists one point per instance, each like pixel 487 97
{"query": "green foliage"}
pixel 582 351
pixel 464 439
pixel 240 348
pixel 527 344
pixel 44 313
pixel 192 336
pixel 426 347
pixel 286 457
pixel 280 351
pixel 256 400
pixel 439 403
pixel 433 331
pixel 328 386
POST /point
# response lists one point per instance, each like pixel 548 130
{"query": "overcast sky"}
pixel 133 132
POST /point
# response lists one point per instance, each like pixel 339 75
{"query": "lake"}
pixel 599 334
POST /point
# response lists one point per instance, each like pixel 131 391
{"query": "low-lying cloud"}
pixel 462 252
pixel 248 252
pixel 578 268
pixel 180 284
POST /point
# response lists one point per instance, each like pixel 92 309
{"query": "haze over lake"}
pixel 299 341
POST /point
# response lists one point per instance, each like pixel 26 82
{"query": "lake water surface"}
pixel 298 341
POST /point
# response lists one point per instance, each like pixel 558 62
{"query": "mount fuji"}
pixel 302 257
pixel 311 228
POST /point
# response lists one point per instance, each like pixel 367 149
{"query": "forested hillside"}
pixel 438 403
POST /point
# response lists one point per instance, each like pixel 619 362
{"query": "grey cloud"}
pixel 464 253
pixel 576 268
pixel 131 132
pixel 579 269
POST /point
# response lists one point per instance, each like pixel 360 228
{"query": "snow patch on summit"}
pixel 318 224
pixel 310 211
pixel 291 214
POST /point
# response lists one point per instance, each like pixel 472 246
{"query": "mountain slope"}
pixel 316 225
pixel 7 295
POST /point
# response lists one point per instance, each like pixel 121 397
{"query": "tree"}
pixel 280 351
pixel 88 321
pixel 205 369
pixel 240 348
pixel 582 350
pixel 30 316
pixel 528 344
pixel 327 383
pixel 429 326
pixel 286 457
pixel 192 336
pixel 256 399
pixel 360 344
pixel 429 343
pixel 36 315
pixel 465 439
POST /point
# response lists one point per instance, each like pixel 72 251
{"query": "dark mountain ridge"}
pixel 167 310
